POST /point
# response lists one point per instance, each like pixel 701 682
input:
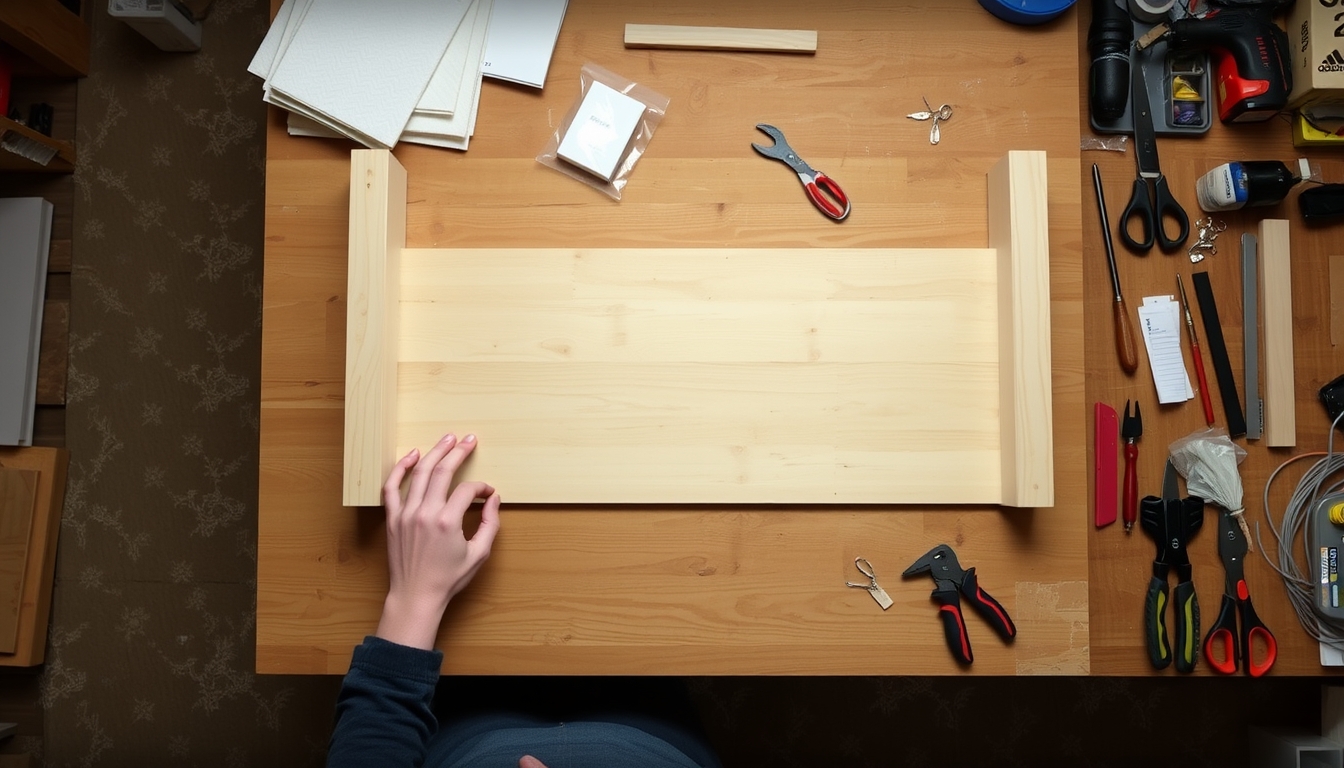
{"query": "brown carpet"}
pixel 151 647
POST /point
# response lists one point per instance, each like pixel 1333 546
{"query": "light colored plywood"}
pixel 40 568
pixel 1276 287
pixel 377 237
pixel 1018 229
pixel 718 375
pixel 18 496
pixel 720 38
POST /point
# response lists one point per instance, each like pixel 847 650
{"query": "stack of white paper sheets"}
pixel 377 72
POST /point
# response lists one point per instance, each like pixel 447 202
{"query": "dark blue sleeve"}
pixel 383 714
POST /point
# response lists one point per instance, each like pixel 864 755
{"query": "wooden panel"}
pixel 1019 231
pixel 49 34
pixel 35 605
pixel 1276 290
pixel 737 589
pixel 62 162
pixel 720 38
pixel 54 354
pixel 377 236
pixel 709 375
pixel 18 497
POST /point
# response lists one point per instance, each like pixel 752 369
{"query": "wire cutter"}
pixel 1237 647
pixel 950 583
pixel 836 206
pixel 1171 521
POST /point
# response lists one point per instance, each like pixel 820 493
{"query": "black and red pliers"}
pixel 951 583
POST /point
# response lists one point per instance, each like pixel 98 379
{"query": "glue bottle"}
pixel 1246 183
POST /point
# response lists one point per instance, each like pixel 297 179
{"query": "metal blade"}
pixel 1145 137
pixel 1171 489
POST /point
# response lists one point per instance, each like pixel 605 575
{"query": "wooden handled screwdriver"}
pixel 1124 332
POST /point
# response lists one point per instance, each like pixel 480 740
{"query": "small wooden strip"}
pixel 377 237
pixel 1019 230
pixel 18 496
pixel 54 355
pixel 1276 290
pixel 720 38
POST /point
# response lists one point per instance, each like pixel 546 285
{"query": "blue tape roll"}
pixel 1027 11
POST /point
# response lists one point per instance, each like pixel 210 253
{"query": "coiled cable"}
pixel 1321 480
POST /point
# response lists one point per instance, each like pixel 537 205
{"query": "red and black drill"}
pixel 1250 55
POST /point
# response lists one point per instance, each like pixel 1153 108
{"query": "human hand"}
pixel 528 761
pixel 429 558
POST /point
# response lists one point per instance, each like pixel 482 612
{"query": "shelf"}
pixel 46 32
pixel 17 136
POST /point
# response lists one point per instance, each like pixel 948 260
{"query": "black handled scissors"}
pixel 1238 647
pixel 836 206
pixel 1151 206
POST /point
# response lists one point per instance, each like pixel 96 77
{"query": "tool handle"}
pixel 1124 338
pixel 1204 396
pixel 954 625
pixel 987 606
pixel 1254 632
pixel 1130 511
pixel 1186 606
pixel 1223 636
pixel 1155 624
pixel 829 198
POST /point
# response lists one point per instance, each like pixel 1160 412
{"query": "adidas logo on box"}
pixel 1332 63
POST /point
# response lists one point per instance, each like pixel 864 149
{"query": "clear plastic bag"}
pixel 609 127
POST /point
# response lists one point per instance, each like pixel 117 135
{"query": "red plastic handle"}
pixel 1261 634
pixel 1221 636
pixel 1131 498
pixel 1204 395
pixel 823 183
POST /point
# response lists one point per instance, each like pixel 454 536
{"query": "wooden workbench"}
pixel 701 589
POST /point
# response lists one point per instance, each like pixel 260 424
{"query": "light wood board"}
pixel 50 464
pixel 18 497
pixel 1276 302
pixel 720 38
pixel 710 375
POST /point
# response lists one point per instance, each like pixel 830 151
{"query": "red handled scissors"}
pixel 1239 648
pixel 829 198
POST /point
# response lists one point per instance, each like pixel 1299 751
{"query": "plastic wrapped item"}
pixel 1208 460
pixel 606 131
pixel 1104 144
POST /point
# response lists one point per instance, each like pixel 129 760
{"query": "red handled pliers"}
pixel 950 584
pixel 836 206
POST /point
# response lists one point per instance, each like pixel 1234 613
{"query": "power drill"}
pixel 1250 56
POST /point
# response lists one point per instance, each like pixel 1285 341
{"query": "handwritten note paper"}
pixel 1160 318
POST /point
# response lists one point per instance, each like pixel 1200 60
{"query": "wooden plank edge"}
pixel 377 237
pixel 720 38
pixel 40 572
pixel 1276 307
pixel 1019 231
pixel 49 34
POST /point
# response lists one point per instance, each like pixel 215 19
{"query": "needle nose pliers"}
pixel 951 582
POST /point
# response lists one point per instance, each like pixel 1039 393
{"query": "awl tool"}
pixel 1124 333
pixel 951 583
pixel 1130 429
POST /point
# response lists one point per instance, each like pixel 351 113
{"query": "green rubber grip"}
pixel 1187 627
pixel 1155 624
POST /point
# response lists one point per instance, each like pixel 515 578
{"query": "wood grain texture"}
pixel 709 375
pixel 54 354
pixel 35 601
pixel 1120 565
pixel 18 498
pixel 377 237
pixel 56 40
pixel 720 38
pixel 1276 311
pixel 698 589
pixel 1018 231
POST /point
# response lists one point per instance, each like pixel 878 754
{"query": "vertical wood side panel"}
pixel 1276 288
pixel 377 237
pixel 1019 231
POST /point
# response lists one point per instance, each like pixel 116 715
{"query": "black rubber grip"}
pixel 1155 624
pixel 1186 607
pixel 987 606
pixel 1222 366
pixel 954 625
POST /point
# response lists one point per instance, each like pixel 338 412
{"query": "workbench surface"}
pixel 732 589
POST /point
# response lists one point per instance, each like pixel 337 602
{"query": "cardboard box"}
pixel 1318 53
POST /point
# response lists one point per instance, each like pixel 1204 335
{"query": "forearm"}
pixel 383 714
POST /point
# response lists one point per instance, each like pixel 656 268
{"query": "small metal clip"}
pixel 942 114
pixel 1208 230
pixel 879 594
